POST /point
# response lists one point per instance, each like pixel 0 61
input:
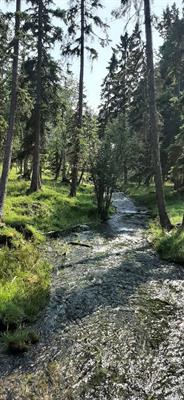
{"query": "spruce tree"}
pixel 83 22
pixel 154 133
pixel 12 109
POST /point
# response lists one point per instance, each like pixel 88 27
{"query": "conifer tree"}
pixel 12 109
pixel 41 28
pixel 83 22
pixel 154 133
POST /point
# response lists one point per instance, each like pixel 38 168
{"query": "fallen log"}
pixel 80 244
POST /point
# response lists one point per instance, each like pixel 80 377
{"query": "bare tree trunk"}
pixel 26 170
pixel 125 173
pixel 74 181
pixel 35 180
pixel 164 219
pixel 81 175
pixel 58 169
pixel 12 111
pixel 63 167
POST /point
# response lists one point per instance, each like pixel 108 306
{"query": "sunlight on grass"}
pixel 49 209
pixel 24 284
pixel 24 276
pixel 145 196
pixel 170 245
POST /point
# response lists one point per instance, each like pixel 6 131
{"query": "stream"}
pixel 114 326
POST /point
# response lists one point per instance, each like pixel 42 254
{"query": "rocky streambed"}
pixel 114 327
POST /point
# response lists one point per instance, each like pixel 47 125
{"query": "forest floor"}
pixel 49 209
pixel 113 328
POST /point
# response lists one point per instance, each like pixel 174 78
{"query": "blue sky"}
pixel 95 74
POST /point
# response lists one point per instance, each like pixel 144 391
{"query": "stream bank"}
pixel 114 326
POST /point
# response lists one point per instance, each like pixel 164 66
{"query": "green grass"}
pixel 24 276
pixel 145 196
pixel 170 245
pixel 24 285
pixel 51 208
pixel 20 340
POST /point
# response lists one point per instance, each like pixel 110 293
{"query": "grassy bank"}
pixel 24 275
pixel 49 209
pixel 24 291
pixel 170 245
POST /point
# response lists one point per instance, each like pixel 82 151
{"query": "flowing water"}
pixel 114 327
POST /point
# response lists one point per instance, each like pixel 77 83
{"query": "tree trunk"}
pixel 147 180
pixel 74 180
pixel 64 172
pixel 58 168
pixel 81 175
pixel 26 170
pixel 35 180
pixel 164 219
pixel 125 173
pixel 12 111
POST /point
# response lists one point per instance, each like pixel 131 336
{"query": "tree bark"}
pixel 12 111
pixel 58 168
pixel 74 180
pixel 82 174
pixel 125 173
pixel 26 170
pixel 164 219
pixel 36 180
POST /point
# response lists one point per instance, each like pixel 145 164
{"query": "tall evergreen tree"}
pixel 40 27
pixel 164 219
pixel 82 22
pixel 171 80
pixel 118 90
pixel 35 180
pixel 12 110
